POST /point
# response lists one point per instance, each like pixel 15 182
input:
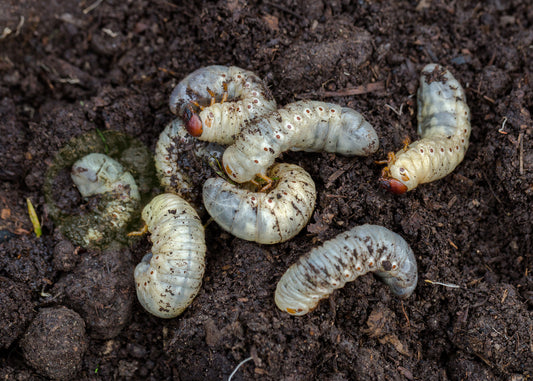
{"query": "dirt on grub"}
pixel 68 68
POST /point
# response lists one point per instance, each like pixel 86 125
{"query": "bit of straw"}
pixel 92 7
pixel 208 222
pixel 238 366
pixel 363 89
pixel 521 148
pixel 394 110
pixel 34 219
pixel 101 134
pixel 451 285
pixel 501 130
pixel 143 231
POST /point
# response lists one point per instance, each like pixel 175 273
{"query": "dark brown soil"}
pixel 69 67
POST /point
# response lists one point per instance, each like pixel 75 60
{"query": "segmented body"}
pixel 169 277
pixel 98 174
pixel 263 217
pixel 363 249
pixel 444 126
pixel 220 122
pixel 172 161
pixel 300 126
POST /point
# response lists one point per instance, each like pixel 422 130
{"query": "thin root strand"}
pixel 141 232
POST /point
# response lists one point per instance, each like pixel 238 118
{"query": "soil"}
pixel 68 68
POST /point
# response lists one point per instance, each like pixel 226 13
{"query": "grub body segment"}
pixel 266 218
pixel 170 159
pixel 170 276
pixel 363 249
pixel 300 126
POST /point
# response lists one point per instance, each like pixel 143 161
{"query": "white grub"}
pixel 363 249
pixel 98 174
pixel 219 121
pixel 171 160
pixel 266 218
pixel 444 128
pixel 300 126
pixel 169 278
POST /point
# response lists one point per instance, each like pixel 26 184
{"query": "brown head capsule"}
pixel 225 97
pixel 193 124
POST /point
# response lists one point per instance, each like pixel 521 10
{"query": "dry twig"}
pixel 363 89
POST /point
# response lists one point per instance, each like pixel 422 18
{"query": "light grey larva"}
pixel 444 126
pixel 170 159
pixel 363 249
pixel 300 126
pixel 266 218
pixel 220 122
pixel 98 174
pixel 168 278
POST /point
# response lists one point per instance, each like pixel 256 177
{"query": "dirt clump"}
pixel 55 343
pixel 65 256
pixel 16 310
pixel 101 290
pixel 496 327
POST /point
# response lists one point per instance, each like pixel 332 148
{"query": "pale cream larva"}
pixel 170 159
pixel 301 126
pixel 208 89
pixel 98 174
pixel 363 249
pixel 168 278
pixel 266 218
pixel 444 126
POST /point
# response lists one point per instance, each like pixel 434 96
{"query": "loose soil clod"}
pixel 55 343
pixel 101 290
